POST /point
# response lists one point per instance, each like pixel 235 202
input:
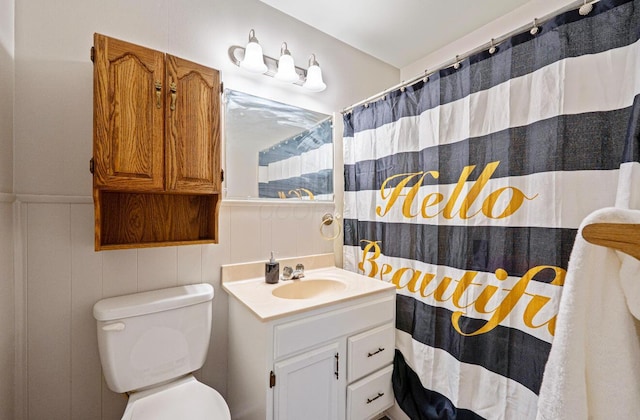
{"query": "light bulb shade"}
pixel 286 69
pixel 253 60
pixel 314 81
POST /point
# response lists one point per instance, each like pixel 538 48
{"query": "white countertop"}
pixel 257 295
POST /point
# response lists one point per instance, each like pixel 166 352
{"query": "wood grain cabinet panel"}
pixel 157 173
pixel 128 123
pixel 192 127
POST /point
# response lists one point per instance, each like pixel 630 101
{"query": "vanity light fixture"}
pixel 252 59
pixel 286 69
pixel 314 76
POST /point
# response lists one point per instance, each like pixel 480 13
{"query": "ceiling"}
pixel 398 32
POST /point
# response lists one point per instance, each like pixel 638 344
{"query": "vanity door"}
pixel 308 385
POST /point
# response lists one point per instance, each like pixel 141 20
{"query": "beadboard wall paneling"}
pixel 212 257
pixel 119 271
pixel 7 292
pixel 7 318
pixel 65 277
pixel 86 289
pixel 48 285
pixel 158 268
pixel 189 264
pixel 248 234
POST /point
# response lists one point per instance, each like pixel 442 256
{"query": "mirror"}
pixel 276 151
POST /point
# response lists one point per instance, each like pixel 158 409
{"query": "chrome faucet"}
pixel 289 273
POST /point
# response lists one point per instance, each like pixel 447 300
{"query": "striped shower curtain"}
pixel 466 192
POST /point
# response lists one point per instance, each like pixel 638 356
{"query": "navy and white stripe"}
pixel 556 119
pixel 299 167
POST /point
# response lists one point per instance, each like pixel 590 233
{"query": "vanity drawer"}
pixel 370 350
pixel 298 335
pixel 371 395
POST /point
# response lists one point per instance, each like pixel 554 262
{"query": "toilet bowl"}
pixel 150 343
pixel 185 398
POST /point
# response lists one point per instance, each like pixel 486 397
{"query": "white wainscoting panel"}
pixel 48 280
pixel 189 264
pixel 157 268
pixel 7 318
pixel 119 272
pixel 86 289
pixel 63 277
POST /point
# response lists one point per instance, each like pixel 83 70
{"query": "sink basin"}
pixel 306 289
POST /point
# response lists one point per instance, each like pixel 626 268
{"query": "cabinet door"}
pixel 192 127
pixel 128 116
pixel 307 386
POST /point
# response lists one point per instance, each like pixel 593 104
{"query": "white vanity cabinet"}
pixel 327 363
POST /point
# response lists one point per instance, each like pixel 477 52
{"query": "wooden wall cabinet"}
pixel 156 148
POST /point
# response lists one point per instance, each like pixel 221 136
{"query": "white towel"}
pixel 593 371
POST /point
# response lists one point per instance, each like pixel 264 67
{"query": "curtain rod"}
pixel 494 42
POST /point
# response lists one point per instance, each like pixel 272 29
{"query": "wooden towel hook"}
pixel 621 236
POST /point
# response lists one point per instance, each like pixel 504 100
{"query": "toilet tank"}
pixel 152 337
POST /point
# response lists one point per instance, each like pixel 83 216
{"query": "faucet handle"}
pixel 287 272
pixel 300 268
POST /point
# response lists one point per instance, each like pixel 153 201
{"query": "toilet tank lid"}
pixel 153 301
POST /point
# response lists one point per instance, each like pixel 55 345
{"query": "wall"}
pixel 499 27
pixel 6 86
pixel 59 274
pixel 7 330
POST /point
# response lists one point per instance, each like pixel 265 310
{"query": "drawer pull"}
pixel 380 349
pixel 370 400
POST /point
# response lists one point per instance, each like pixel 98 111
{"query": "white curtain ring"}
pixel 585 9
pixel 328 219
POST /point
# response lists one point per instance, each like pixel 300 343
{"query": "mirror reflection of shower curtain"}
pixel 300 167
pixel 466 192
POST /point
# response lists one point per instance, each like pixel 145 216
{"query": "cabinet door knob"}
pixel 158 86
pixel 174 88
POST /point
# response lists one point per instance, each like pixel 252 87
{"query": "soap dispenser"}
pixel 272 271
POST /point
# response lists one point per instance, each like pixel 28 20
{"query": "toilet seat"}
pixel 185 398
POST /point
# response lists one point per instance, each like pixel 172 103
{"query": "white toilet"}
pixel 150 343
